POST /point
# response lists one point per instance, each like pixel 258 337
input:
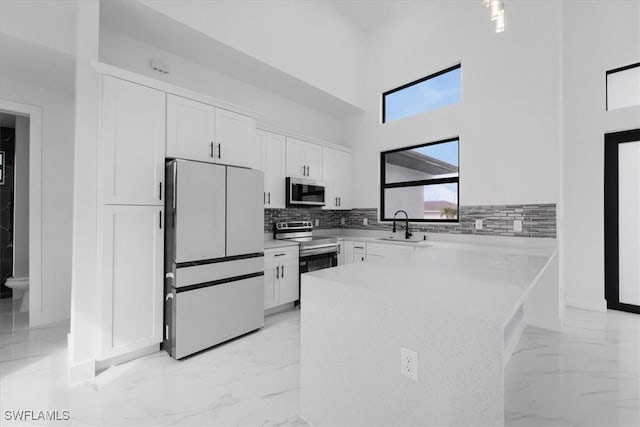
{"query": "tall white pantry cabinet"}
pixel 132 140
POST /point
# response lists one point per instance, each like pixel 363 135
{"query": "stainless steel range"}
pixel 316 252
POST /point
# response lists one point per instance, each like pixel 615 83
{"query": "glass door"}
pixel 622 220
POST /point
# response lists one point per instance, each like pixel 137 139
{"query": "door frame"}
pixel 611 239
pixel 36 314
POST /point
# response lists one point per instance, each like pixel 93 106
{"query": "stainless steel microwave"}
pixel 305 192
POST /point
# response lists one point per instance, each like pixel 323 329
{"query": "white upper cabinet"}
pixel 235 142
pixel 190 129
pixel 199 131
pixel 337 177
pixel 133 148
pixel 304 159
pixel 273 165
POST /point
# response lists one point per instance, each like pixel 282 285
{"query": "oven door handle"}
pixel 325 249
pixel 324 245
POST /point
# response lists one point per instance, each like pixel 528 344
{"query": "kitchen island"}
pixel 460 307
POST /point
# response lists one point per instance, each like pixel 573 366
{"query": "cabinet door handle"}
pixel 160 222
pixel 219 150
pixel 264 197
pixel 269 196
pixel 280 254
pixel 339 201
pixel 160 192
pixel 278 272
pixel 282 273
pixel 211 153
pixel 308 170
pixel 359 247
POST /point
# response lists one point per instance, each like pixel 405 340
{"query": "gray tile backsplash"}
pixel 538 220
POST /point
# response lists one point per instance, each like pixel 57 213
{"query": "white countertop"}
pixel 272 243
pixel 486 281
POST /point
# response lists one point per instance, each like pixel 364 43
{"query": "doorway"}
pixel 36 313
pixel 622 220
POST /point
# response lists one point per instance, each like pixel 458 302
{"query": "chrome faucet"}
pixel 407 232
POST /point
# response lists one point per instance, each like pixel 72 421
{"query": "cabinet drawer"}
pixel 280 256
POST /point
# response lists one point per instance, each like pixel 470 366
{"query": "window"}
pixel 623 87
pixel 421 180
pixel 434 91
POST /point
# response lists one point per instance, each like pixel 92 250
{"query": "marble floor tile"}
pixel 587 375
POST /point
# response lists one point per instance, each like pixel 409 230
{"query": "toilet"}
pixel 20 284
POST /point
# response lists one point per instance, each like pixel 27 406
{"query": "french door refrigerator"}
pixel 214 255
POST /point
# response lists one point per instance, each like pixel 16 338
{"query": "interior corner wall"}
pixel 309 40
pixel 598 36
pixel 508 119
pixel 57 184
pixel 21 199
pixel 134 55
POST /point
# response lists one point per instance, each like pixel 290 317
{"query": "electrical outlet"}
pixel 478 224
pixel 365 221
pixel 317 223
pixel 342 221
pixel 517 226
pixel 409 363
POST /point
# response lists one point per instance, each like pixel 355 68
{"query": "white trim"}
pixel 36 303
pixel 173 89
pixel 593 304
pixel 287 133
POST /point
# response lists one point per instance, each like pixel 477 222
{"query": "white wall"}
pixel 84 301
pixel 598 36
pixel 21 199
pixel 47 23
pixel 309 40
pixel 508 119
pixel 134 55
pixel 57 184
pixel 37 41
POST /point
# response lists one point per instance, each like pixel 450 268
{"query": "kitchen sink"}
pixel 398 240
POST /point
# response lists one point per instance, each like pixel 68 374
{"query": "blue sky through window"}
pixel 447 152
pixel 436 92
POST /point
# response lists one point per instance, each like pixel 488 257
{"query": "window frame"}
pixel 606 81
pixel 415 82
pixel 447 180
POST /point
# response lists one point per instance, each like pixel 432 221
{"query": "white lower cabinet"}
pixel 132 284
pixel 281 276
pixel 359 252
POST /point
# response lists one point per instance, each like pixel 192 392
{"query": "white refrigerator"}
pixel 214 255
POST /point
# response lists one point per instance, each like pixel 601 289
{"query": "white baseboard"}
pixel 102 365
pixel 593 304
pixel 82 372
pixel 551 323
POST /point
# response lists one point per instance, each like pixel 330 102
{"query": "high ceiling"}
pixel 368 13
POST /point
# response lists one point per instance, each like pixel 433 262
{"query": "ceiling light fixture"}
pixel 497 13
